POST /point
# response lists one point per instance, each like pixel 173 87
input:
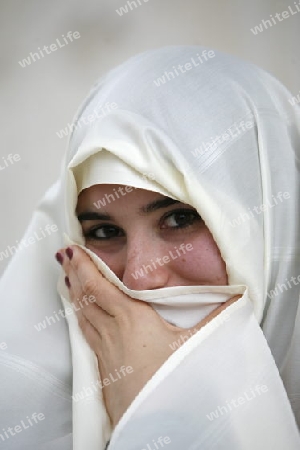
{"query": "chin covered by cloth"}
pixel 223 138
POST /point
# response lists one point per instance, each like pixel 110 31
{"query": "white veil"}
pixel 220 135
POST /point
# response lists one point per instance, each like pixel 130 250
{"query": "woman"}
pixel 184 284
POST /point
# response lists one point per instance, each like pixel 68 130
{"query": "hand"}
pixel 120 330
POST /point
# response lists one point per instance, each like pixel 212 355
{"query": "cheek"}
pixel 203 263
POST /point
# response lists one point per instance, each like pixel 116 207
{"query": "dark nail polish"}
pixel 69 253
pixel 67 281
pixel 59 257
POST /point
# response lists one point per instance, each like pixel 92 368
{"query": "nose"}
pixel 143 266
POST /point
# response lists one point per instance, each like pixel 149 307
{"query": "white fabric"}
pixel 156 130
pixel 106 168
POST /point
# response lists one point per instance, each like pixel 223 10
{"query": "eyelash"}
pixel 187 212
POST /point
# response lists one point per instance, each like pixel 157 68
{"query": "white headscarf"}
pixel 218 134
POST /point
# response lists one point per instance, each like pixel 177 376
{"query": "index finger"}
pixel 108 296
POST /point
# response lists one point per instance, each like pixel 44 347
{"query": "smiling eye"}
pixel 104 232
pixel 180 219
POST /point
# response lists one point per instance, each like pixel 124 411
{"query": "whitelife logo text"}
pixel 48 49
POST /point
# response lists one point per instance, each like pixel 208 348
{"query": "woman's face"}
pixel 148 240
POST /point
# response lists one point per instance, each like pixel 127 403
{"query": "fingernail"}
pixel 67 281
pixel 69 253
pixel 59 257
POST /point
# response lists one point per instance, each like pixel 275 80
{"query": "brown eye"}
pixel 104 232
pixel 180 219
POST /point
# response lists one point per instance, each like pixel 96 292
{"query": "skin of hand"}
pixel 120 330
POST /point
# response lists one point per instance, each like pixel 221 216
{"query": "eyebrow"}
pixel 151 207
pixel 157 204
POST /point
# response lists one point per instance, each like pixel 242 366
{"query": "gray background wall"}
pixel 41 98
